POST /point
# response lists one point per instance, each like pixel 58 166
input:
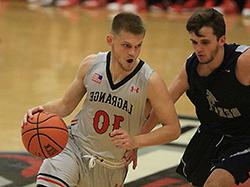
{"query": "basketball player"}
pixel 119 90
pixel 216 78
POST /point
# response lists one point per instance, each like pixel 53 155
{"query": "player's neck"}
pixel 118 72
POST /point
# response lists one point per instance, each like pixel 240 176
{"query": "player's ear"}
pixel 109 39
pixel 222 40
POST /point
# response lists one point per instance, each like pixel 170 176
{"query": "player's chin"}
pixel 129 67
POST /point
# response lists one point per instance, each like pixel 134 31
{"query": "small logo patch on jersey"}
pixel 97 78
pixel 134 89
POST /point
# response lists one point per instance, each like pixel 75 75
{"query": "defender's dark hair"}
pixel 208 17
pixel 128 22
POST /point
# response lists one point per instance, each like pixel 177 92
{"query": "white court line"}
pixel 4 181
pixel 154 161
pixel 30 185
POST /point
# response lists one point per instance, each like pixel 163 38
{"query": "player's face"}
pixel 126 48
pixel 206 45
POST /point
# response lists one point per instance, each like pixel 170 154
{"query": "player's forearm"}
pixel 150 123
pixel 57 107
pixel 164 134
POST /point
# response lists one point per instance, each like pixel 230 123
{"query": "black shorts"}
pixel 207 151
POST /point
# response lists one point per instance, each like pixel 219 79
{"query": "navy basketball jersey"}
pixel 220 100
pixel 110 106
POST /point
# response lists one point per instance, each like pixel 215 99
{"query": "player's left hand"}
pixel 120 138
pixel 130 156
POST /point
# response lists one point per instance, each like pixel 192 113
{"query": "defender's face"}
pixel 126 48
pixel 206 45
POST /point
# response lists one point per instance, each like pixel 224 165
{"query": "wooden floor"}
pixel 41 48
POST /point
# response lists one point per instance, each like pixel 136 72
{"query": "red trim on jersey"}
pixel 50 180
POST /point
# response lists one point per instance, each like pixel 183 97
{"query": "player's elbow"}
pixel 65 111
pixel 58 107
pixel 66 108
pixel 177 133
pixel 171 133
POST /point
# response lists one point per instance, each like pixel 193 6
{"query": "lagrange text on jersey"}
pixel 112 100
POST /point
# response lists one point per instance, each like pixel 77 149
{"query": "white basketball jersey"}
pixel 110 106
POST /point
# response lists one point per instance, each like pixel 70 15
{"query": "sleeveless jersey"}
pixel 110 106
pixel 222 103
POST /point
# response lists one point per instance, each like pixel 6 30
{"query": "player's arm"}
pixel 243 68
pixel 164 110
pixel 163 106
pixel 72 96
pixel 178 86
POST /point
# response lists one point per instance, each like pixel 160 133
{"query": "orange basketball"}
pixel 45 135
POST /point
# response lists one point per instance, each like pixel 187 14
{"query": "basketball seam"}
pixel 52 140
pixel 66 130
pixel 38 136
pixel 43 120
pixel 41 145
pixel 30 141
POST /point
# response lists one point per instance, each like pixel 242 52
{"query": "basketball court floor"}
pixel 40 50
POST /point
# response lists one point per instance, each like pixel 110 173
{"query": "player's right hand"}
pixel 30 113
pixel 121 139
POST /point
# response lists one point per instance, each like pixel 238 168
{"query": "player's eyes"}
pixel 205 42
pixel 194 42
pixel 126 45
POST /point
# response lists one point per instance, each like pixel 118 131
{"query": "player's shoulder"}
pixel 244 58
pixel 91 59
pixel 241 48
pixel 191 62
pixel 191 58
pixel 88 59
pixel 235 50
pixel 243 67
pixel 155 78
